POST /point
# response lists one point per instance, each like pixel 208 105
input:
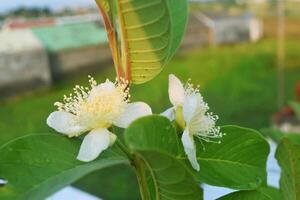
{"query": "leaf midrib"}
pixel 125 40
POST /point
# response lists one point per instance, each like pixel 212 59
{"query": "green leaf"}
pixel 288 156
pixel 151 32
pixel 296 107
pixel 153 133
pixel 38 165
pixel 239 162
pixel 276 135
pixel 266 193
pixel 155 141
pixel 273 133
pixel 293 137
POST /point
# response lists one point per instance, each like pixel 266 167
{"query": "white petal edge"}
pixel 169 113
pixel 93 144
pixel 176 90
pixel 132 112
pixel 63 122
pixel 190 149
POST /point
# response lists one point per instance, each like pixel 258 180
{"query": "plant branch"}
pixel 112 38
pixel 125 150
pixel 140 169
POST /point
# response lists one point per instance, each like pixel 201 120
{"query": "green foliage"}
pixel 231 80
pixel 111 183
pixel 273 133
pixel 277 135
pixel 296 107
pixel 294 138
pixel 288 154
pixel 38 165
pixel 155 141
pixel 237 81
pixel 264 193
pixel 156 152
pixel 239 162
pixel 150 33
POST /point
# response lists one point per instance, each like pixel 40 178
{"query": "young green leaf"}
pixel 273 133
pixel 150 32
pixel 155 141
pixel 288 156
pixel 293 137
pixel 296 107
pixel 35 166
pixel 265 193
pixel 238 162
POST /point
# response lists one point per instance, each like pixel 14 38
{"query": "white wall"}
pixel 22 59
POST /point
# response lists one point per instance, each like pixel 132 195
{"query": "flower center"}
pixel 97 107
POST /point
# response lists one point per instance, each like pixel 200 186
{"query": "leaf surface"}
pixel 154 139
pixel 36 166
pixel 288 157
pixel 266 193
pixel 150 33
pixel 296 107
pixel 239 162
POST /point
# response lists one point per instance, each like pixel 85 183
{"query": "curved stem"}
pixel 125 150
pixel 140 170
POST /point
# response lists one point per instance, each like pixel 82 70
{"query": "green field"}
pixel 239 83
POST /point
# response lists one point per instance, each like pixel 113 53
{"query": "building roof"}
pixel 27 24
pixel 70 36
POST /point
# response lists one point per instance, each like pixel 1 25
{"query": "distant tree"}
pixel 30 12
pixel 228 3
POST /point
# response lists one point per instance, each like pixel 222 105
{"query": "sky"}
pixel 6 5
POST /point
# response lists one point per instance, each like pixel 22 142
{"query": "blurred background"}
pixel 245 54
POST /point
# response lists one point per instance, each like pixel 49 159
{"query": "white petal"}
pixel 93 144
pixel 63 122
pixel 112 139
pixel 176 90
pixel 106 86
pixel 190 149
pixel 132 112
pixel 190 104
pixel 169 113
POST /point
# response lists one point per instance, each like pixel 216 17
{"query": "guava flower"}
pixel 191 113
pixel 94 110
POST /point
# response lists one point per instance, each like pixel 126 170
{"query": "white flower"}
pixel 96 109
pixel 190 112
